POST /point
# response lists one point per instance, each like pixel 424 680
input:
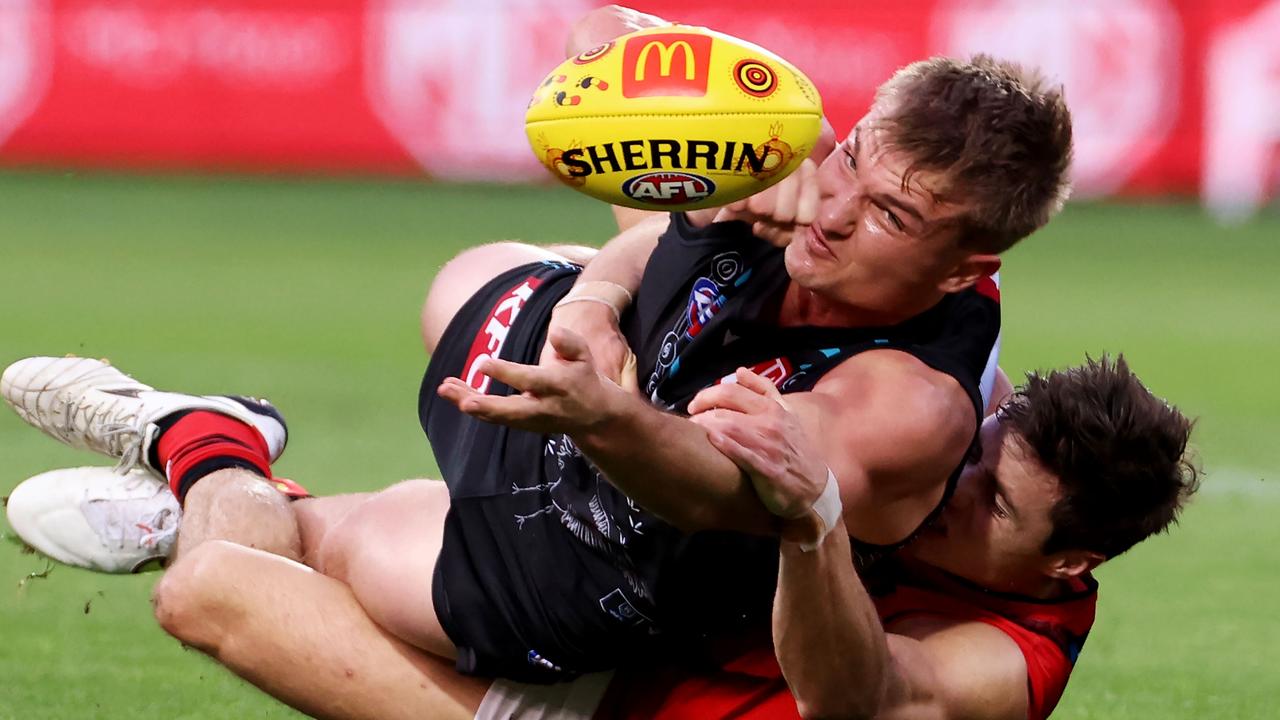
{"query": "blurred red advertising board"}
pixel 1178 96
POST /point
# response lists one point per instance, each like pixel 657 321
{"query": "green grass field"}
pixel 308 292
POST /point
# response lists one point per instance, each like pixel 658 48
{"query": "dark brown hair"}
pixel 1118 451
pixel 998 135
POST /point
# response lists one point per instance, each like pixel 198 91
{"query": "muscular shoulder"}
pixel 892 430
pixel 906 415
pixel 959 670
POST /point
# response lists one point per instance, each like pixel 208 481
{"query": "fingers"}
pixel 786 199
pixel 764 203
pixel 514 410
pixel 730 396
pixel 757 383
pixel 569 345
pixel 774 234
pixel 806 212
pixel 627 379
pixel 455 390
pixel 535 379
pixel 752 462
pixel 716 421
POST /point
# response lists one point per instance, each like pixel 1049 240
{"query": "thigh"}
pixel 385 549
pixel 466 273
pixel 317 516
pixel 303 638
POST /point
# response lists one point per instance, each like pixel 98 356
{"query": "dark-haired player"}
pixel 982 616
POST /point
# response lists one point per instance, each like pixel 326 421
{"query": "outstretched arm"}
pixel 662 461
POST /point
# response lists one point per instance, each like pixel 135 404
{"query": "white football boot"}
pixel 96 518
pixel 90 405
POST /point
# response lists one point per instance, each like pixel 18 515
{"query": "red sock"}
pixel 201 442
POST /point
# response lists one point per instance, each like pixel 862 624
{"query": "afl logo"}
pixel 702 304
pixel 668 188
pixel 755 78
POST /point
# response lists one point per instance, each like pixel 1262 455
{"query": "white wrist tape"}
pixel 617 314
pixel 829 508
pixel 602 292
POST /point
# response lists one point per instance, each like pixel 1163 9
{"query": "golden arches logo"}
pixel 666 65
pixel 755 78
pixel 666 57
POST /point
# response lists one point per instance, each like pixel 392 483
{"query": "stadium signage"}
pixel 631 155
pixel 666 65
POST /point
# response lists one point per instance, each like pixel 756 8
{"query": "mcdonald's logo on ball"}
pixel 667 64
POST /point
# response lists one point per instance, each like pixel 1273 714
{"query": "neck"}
pixel 802 306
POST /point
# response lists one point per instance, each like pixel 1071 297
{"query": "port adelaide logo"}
pixel 668 188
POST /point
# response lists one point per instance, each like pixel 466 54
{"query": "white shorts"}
pixel 577 700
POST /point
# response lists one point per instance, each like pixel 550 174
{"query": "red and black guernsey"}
pixel 546 569
pixel 1050 634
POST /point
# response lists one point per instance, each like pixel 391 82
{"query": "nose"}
pixel 839 200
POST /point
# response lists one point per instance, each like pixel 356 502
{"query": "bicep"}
pixel 949 670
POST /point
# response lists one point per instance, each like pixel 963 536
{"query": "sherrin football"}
pixel 673 118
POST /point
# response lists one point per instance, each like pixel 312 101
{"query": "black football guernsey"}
pixel 547 570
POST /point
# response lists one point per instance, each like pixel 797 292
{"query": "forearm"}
pixel 666 464
pixel 828 637
pixel 622 260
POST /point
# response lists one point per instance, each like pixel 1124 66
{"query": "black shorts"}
pixel 526 585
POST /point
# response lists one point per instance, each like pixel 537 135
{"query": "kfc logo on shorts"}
pixel 25 46
pixel 1119 61
pixel 493 334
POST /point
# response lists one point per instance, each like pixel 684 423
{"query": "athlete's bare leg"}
pixel 466 273
pixel 386 549
pixel 316 516
pixel 241 507
pixel 304 639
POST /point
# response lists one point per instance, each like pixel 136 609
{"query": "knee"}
pixel 187 602
pixel 466 273
pixel 364 538
pixel 580 254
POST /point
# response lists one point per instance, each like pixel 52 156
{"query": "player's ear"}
pixel 970 270
pixel 1067 564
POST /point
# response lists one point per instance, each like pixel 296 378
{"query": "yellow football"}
pixel 673 118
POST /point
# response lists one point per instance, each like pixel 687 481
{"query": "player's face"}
pixel 992 530
pixel 876 243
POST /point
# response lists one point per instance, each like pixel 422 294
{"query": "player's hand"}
pixel 566 395
pixel 598 326
pixel 777 213
pixel 749 422
pixel 606 23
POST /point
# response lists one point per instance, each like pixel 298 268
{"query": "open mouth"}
pixel 816 243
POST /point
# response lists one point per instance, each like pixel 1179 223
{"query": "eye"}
pixel 849 159
pixel 997 510
pixel 893 219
